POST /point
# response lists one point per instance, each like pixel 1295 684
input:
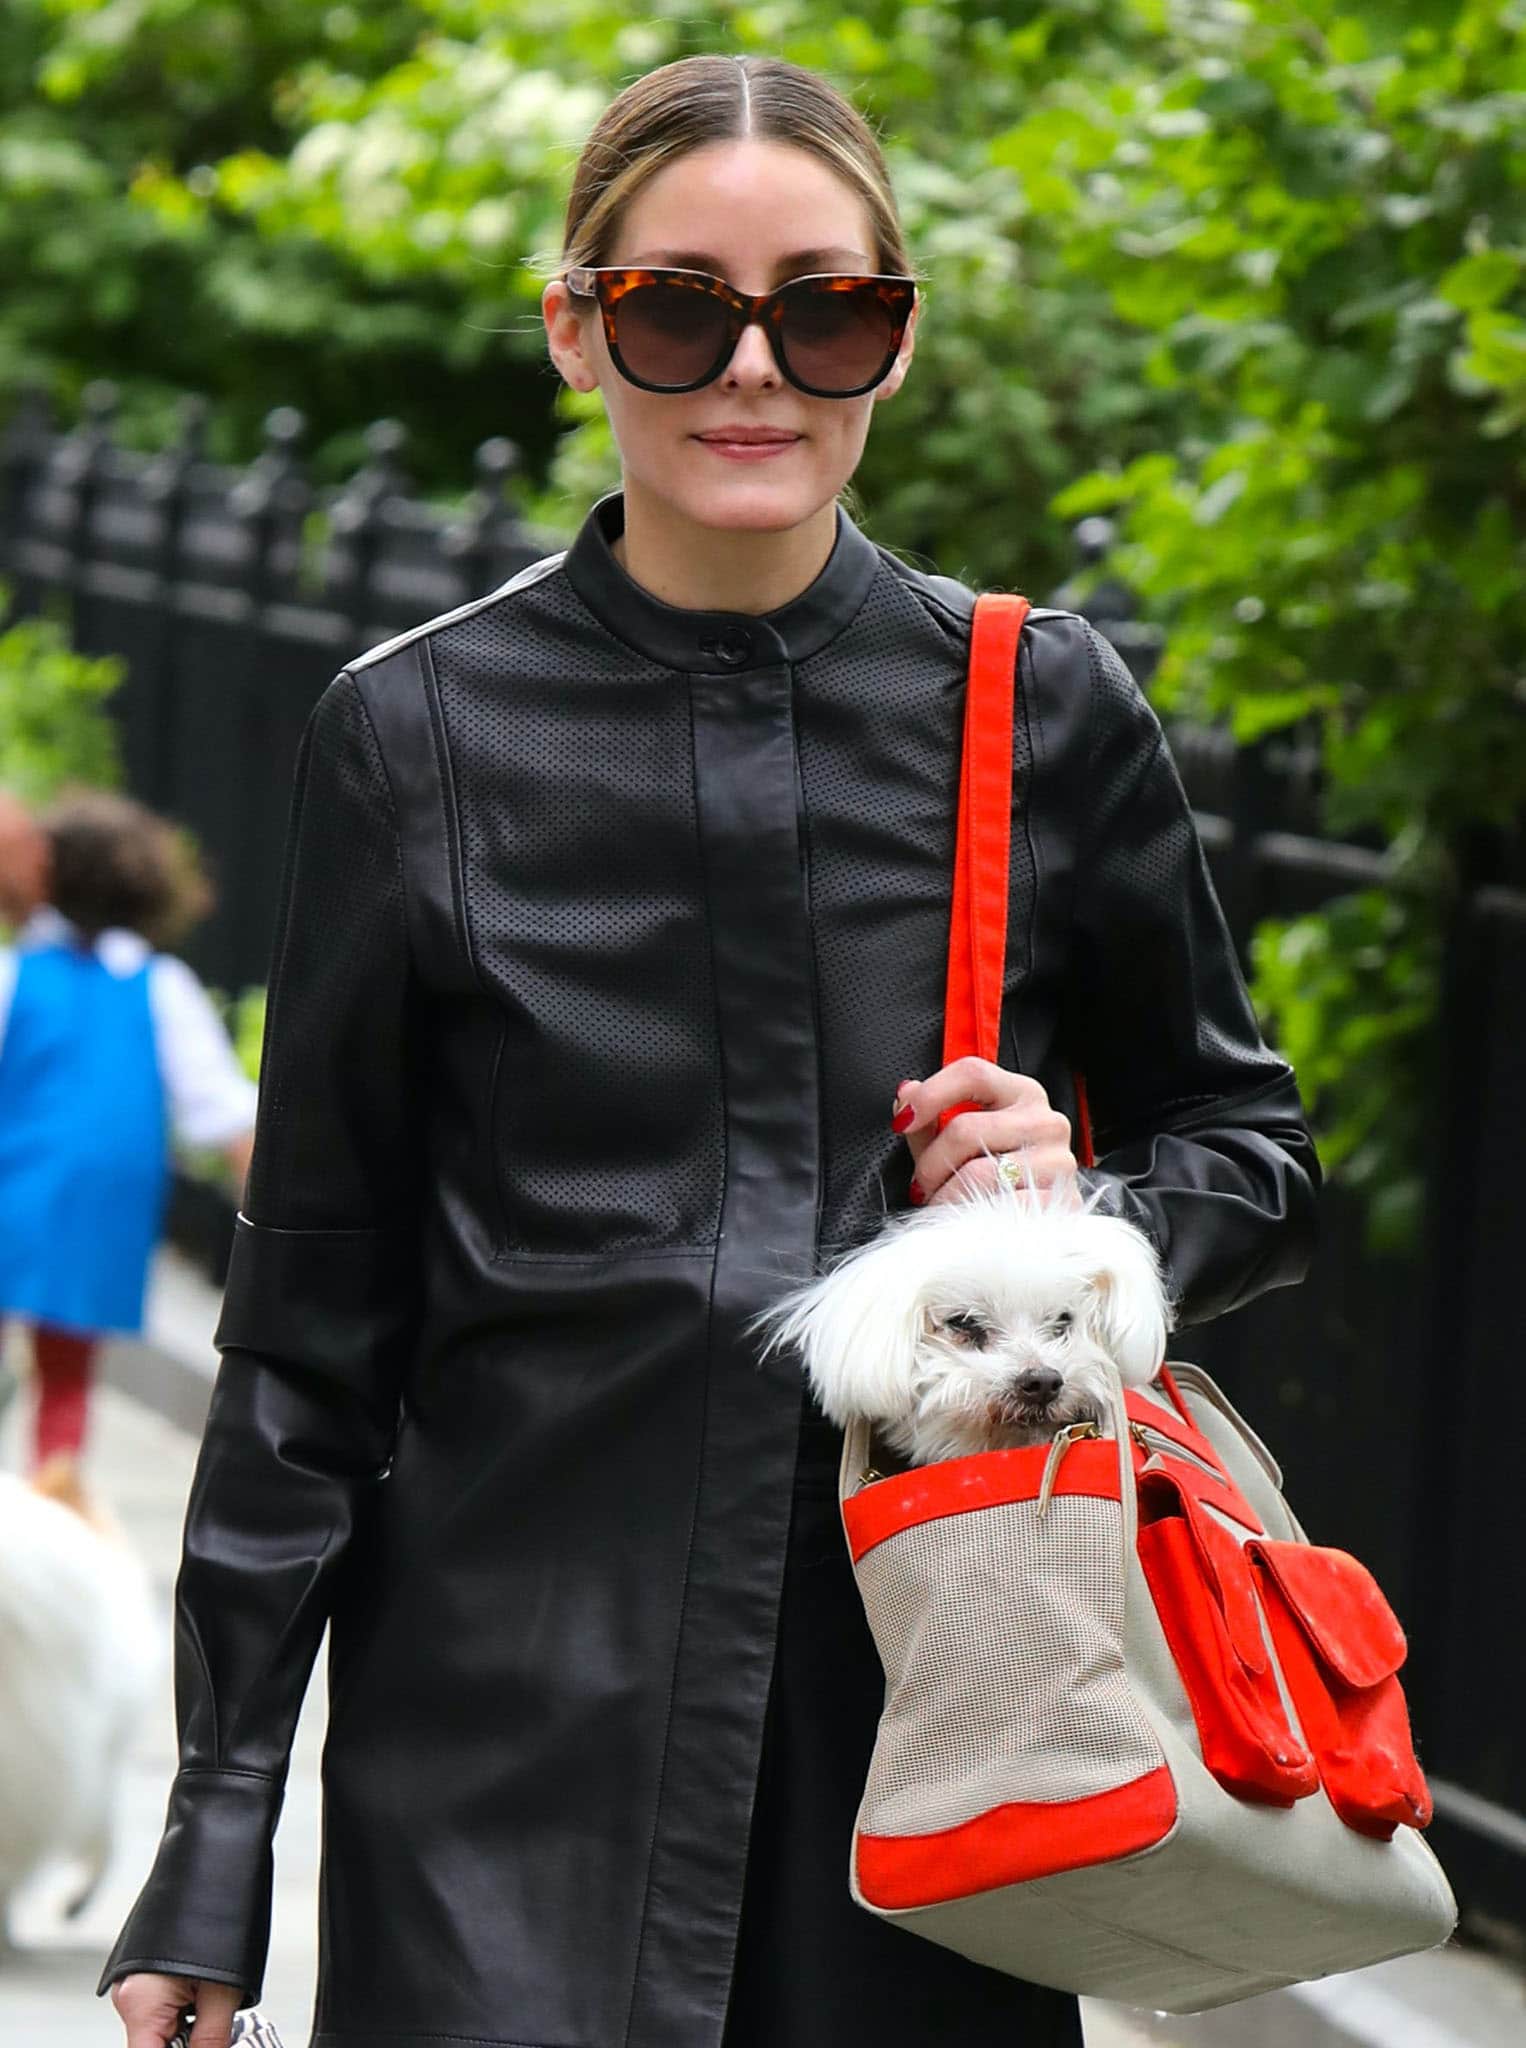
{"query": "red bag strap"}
pixel 982 850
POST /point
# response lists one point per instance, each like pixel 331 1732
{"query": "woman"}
pixel 615 917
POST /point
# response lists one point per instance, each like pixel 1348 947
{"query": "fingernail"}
pixel 904 1118
pixel 915 1196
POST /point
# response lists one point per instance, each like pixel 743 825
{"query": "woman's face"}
pixel 756 214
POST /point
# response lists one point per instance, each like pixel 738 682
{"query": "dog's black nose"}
pixel 1038 1385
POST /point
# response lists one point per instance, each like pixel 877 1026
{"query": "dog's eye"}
pixel 1062 1321
pixel 966 1325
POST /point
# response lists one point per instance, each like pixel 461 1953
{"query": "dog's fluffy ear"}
pixel 856 1328
pixel 1134 1313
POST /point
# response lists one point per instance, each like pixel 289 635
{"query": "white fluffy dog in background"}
pixel 981 1324
pixel 80 1655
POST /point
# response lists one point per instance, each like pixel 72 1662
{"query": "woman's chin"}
pixel 744 497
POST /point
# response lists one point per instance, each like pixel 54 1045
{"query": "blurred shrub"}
pixel 54 726
pixel 1318 219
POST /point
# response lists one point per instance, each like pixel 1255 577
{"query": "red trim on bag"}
pixel 1201 1486
pixel 962 1486
pixel 1083 1150
pixel 1166 1381
pixel 1015 1843
pixel 1220 1492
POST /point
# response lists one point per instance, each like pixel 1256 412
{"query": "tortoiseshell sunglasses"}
pixel 675 330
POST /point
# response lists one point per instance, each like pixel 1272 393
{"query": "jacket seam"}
pixel 460 915
pixel 321 1230
pixel 392 808
pixel 807 878
pixel 528 1255
pixel 185 1616
pixel 522 579
pixel 226 1771
pixel 704 1430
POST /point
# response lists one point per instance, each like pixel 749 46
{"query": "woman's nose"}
pixel 752 360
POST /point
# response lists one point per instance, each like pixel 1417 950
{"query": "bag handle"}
pixel 982 850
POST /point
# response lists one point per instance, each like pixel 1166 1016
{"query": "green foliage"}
pixel 247 1026
pixel 1351 993
pixel 357 212
pixel 1250 275
pixel 1318 216
pixel 54 727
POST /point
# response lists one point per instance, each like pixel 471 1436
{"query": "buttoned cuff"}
pixel 205 1909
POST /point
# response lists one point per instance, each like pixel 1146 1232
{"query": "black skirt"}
pixel 813 1970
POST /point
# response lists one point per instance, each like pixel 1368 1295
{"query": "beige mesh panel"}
pixel 1002 1641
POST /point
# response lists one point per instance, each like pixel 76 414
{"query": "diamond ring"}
pixel 1012 1168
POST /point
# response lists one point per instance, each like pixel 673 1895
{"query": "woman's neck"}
pixel 710 569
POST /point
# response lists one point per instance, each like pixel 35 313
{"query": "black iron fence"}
pixel 234 596
pixel 1390 1387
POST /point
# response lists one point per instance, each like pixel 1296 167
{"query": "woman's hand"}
pixel 151 2005
pixel 1015 1116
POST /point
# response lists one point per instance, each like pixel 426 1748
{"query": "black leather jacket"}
pixel 609 929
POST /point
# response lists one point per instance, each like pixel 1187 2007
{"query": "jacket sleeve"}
pixel 317 1319
pixel 1198 1128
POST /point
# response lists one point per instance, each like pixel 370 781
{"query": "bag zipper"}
pixel 1073 1433
pixel 1156 1442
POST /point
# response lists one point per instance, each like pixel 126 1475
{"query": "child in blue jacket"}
pixel 107 1045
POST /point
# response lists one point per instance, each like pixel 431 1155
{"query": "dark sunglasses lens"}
pixel 836 337
pixel 669 333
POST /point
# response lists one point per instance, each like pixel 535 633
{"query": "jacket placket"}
pixel 749 831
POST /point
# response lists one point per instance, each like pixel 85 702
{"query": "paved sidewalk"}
pixel 143 1463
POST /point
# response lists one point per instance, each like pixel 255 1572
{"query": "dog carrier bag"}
pixel 1141 1739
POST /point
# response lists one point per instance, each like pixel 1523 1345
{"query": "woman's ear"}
pixel 1133 1314
pixel 895 376
pixel 567 332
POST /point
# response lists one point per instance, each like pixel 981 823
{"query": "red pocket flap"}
pixel 1339 1606
pixel 1222 1562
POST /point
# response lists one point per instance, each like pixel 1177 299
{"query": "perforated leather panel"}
pixel 575 796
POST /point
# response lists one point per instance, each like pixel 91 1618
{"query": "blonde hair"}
pixel 698 100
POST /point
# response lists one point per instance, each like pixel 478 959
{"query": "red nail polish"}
pixel 904 1118
pixel 915 1196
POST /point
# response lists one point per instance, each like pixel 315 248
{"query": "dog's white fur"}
pixel 79 1658
pixel 875 1333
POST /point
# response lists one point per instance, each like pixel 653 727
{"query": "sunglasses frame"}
pixel 609 283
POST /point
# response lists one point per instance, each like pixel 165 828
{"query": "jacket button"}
pixel 730 648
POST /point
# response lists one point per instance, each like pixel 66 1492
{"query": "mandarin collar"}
pixel 714 643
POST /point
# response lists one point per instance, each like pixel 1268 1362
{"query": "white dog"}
pixel 79 1658
pixel 983 1324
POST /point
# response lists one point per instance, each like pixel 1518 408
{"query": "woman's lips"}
pixel 748 451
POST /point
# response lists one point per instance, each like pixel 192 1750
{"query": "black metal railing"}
pixel 233 596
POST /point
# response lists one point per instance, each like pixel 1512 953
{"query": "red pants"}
pixel 64 1362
